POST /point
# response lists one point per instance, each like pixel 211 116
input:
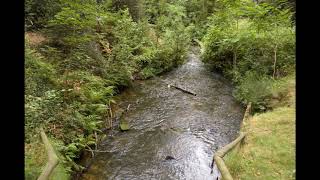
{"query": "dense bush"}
pixel 57 104
pixel 39 12
pixel 251 44
pixel 94 49
pixel 91 53
pixel 254 88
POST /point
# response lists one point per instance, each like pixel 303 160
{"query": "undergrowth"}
pixel 269 150
pixel 253 45
pixel 72 76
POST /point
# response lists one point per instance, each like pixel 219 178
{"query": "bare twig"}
pixel 128 107
pixel 96 138
pixel 90 150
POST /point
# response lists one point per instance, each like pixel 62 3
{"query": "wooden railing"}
pixel 218 157
pixel 53 159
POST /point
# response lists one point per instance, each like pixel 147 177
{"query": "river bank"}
pixel 269 151
pixel 172 134
pixel 80 56
pixel 69 93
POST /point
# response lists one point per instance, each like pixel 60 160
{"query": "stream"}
pixel 173 135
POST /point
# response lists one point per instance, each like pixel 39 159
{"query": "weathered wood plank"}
pixel 223 151
pixel 217 158
pixel 222 168
pixel 53 159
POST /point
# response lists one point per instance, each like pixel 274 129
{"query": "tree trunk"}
pixel 135 7
pixel 275 61
pixel 234 60
pixel 205 9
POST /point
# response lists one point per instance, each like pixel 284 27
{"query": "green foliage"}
pixel 96 48
pixel 39 74
pixel 254 88
pixel 62 103
pixel 173 35
pixel 148 72
pixel 34 160
pixel 250 44
pixel 269 152
pixel 139 53
pixel 93 51
pixel 72 150
pixel 39 12
pixel 41 110
pixel 73 24
pixel 197 13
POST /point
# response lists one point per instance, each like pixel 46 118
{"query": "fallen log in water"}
pixel 183 90
pixel 176 87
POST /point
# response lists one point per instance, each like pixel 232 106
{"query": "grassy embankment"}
pixel 269 151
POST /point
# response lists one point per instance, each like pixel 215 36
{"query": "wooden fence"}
pixel 53 159
pixel 218 157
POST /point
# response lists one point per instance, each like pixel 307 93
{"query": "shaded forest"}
pixel 80 54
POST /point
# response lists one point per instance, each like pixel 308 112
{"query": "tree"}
pixel 39 12
pixel 135 7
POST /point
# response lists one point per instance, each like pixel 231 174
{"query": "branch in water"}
pixel 183 90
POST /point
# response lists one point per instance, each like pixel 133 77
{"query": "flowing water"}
pixel 173 135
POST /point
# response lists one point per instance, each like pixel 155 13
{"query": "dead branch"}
pixel 91 150
pixel 183 90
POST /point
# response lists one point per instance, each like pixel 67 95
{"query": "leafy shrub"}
pixel 38 13
pixel 251 44
pixel 148 72
pixel 254 88
pixel 39 111
pixel 39 74
pixel 93 51
pixel 244 50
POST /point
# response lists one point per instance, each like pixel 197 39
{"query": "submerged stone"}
pixel 124 126
pixel 169 158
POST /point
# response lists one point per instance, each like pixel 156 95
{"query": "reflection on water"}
pixel 167 122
